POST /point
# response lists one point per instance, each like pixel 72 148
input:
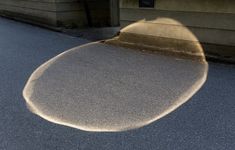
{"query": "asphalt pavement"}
pixel 205 122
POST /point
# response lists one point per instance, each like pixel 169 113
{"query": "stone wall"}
pixel 211 21
pixel 68 13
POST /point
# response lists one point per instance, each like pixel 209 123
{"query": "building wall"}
pixel 42 11
pixel 212 21
pixel 68 13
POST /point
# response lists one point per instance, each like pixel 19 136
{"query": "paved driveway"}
pixel 206 122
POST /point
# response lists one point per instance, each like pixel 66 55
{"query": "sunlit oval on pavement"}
pixel 115 85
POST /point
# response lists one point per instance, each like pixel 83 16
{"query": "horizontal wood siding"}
pixel 70 13
pixel 57 12
pixel 41 11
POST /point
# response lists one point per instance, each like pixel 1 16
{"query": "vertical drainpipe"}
pixel 87 12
